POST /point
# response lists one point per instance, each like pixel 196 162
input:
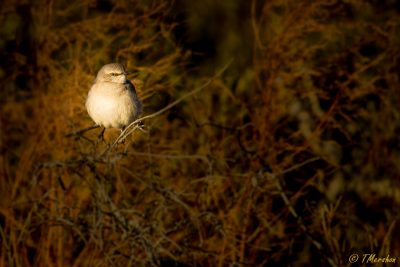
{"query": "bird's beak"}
pixel 129 72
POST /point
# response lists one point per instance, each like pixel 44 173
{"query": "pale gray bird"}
pixel 112 100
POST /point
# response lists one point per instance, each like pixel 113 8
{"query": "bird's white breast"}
pixel 111 105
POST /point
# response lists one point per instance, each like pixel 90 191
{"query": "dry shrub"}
pixel 61 201
pixel 292 159
pixel 326 89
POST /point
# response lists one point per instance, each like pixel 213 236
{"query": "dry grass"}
pixel 289 159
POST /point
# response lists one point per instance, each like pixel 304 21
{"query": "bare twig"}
pixel 136 124
pixel 273 177
pixel 80 132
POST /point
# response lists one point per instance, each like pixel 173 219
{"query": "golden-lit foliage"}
pixel 290 157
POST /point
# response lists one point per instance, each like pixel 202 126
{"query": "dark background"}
pixel 290 156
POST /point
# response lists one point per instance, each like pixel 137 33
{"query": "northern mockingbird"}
pixel 112 100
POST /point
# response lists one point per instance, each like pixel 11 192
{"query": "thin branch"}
pixel 135 125
pixel 273 177
pixel 80 132
pixel 297 166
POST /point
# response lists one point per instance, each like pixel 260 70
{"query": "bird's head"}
pixel 113 72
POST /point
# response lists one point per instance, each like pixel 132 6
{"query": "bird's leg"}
pixel 101 135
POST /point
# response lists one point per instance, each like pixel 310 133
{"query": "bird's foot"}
pixel 141 127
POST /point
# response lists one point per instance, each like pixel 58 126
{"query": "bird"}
pixel 112 100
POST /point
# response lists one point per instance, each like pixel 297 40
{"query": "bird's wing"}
pixel 129 86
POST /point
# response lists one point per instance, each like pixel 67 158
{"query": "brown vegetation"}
pixel 288 156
